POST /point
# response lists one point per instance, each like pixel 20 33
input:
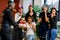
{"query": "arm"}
pixel 9 15
pixel 40 18
pixel 34 27
pixel 49 26
pixel 46 18
pixel 17 17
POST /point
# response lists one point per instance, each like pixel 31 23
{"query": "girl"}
pixel 30 29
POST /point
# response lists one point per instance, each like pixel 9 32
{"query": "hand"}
pixel 20 25
pixel 34 27
pixel 51 15
pixel 25 28
pixel 0 28
pixel 49 26
pixel 47 19
pixel 39 20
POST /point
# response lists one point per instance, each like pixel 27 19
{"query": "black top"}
pixel 34 16
pixel 9 18
pixel 53 22
pixel 42 16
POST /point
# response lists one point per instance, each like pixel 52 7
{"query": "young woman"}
pixel 53 24
pixel 18 17
pixel 31 13
pixel 19 14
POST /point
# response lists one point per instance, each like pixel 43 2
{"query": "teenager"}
pixel 31 28
pixel 43 17
pixel 18 17
pixel 19 14
pixel 52 34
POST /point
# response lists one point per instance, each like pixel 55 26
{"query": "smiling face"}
pixel 30 8
pixel 53 11
pixel 20 11
pixel 29 19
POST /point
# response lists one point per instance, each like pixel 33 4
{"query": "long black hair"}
pixel 29 8
pixel 27 14
pixel 54 9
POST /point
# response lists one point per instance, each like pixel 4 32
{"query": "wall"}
pixel 3 5
pixel 26 4
pixel 39 2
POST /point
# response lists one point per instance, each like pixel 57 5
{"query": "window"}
pixel 53 3
pixel 11 0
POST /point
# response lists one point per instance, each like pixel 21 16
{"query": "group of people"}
pixel 26 26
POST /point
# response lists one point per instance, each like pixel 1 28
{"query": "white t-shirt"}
pixel 17 17
pixel 30 31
